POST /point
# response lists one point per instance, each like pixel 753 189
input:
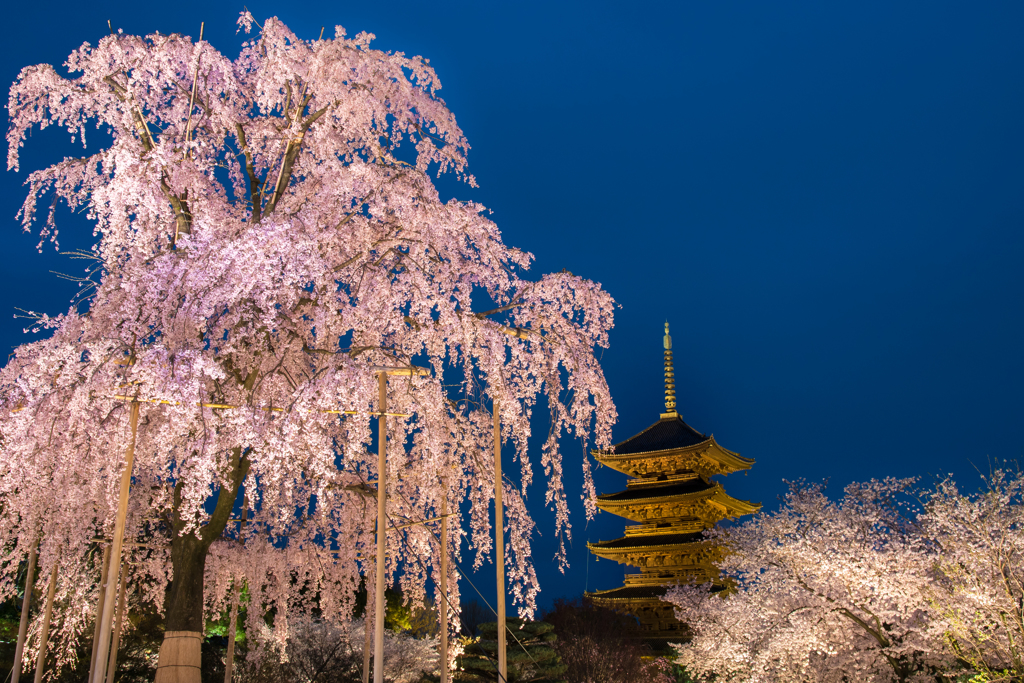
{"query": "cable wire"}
pixel 497 670
pixel 470 581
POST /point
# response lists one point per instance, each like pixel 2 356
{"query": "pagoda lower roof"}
pixel 631 593
pixel 648 541
pixel 637 593
pixel 694 498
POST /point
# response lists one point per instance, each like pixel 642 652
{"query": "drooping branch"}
pixel 182 214
pixel 517 332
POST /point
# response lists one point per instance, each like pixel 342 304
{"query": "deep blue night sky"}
pixel 826 203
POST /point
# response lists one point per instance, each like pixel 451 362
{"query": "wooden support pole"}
pixel 382 521
pixel 442 604
pixel 232 628
pixel 367 632
pixel 499 545
pixel 44 633
pixel 104 568
pixel 229 659
pixel 107 613
pixel 19 649
pixel 116 640
pixel 382 525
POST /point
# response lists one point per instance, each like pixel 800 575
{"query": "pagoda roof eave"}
pixel 654 592
pixel 630 594
pixel 617 554
pixel 729 461
pixel 733 507
pixel 628 544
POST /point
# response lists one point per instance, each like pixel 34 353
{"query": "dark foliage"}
pixel 532 657
pixel 473 614
pixel 598 645
pixel 318 653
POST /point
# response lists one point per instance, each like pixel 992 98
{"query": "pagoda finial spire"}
pixel 670 377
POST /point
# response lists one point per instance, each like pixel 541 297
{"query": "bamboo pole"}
pixel 116 640
pixel 19 649
pixel 442 604
pixel 382 525
pixel 367 633
pixel 499 544
pixel 106 615
pixel 229 660
pixel 44 633
pixel 195 82
pixel 271 409
pixel 104 568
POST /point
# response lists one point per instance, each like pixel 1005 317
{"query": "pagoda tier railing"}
pixel 686 526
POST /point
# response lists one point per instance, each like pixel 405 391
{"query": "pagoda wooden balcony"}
pixel 686 526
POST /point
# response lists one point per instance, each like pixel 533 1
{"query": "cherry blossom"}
pixel 268 233
pixel 978 592
pixel 819 591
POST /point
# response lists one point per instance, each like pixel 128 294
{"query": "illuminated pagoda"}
pixel 672 500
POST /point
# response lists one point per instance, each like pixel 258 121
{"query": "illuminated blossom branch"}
pixel 886 584
pixel 821 591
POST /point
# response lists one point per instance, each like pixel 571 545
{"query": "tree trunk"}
pixel 184 602
pixel 180 654
pixel 183 636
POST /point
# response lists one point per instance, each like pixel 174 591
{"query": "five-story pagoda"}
pixel 672 500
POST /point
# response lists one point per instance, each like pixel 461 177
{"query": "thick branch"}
pixel 517 332
pixel 290 155
pixel 515 304
pixel 226 496
pixel 255 196
pixel 878 635
pixel 182 214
